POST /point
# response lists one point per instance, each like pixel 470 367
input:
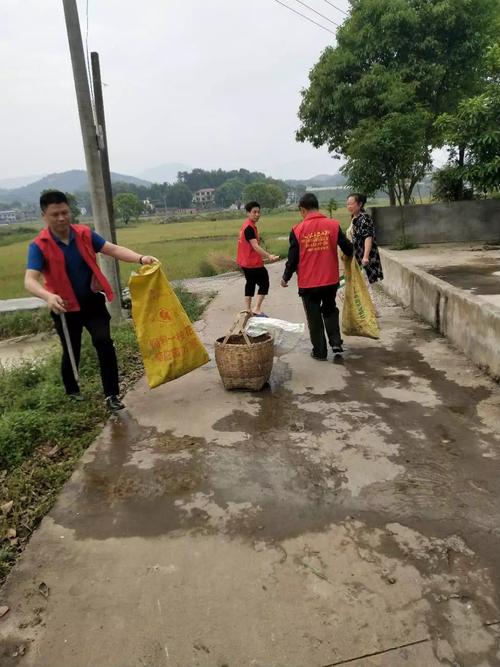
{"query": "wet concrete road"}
pixel 349 514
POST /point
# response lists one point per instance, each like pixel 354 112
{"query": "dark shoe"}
pixel 337 350
pixel 114 404
pixel 75 396
pixel 314 356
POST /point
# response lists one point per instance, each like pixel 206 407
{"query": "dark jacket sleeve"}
pixel 293 257
pixel 344 244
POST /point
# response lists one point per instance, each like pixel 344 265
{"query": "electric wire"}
pixel 304 4
pixel 89 68
pixel 304 16
pixel 335 7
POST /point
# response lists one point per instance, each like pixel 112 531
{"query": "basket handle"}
pixel 239 327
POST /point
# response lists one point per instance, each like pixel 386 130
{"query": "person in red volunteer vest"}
pixel 250 258
pixel 65 255
pixel 313 254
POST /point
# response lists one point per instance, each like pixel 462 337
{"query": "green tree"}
pixel 274 196
pixel 178 195
pixel 397 66
pixel 127 206
pixel 332 206
pixel 474 133
pixel 229 192
pixel 268 195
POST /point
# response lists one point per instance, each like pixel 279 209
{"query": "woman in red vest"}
pixel 65 255
pixel 250 258
pixel 313 254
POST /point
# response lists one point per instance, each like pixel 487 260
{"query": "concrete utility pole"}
pixel 103 139
pixel 91 148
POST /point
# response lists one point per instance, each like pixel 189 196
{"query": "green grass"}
pixel 182 247
pixel 10 235
pixel 24 322
pixel 43 434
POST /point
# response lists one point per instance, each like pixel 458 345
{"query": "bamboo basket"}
pixel 244 362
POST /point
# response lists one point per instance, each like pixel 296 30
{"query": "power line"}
pixel 318 13
pixel 335 7
pixel 89 73
pixel 304 17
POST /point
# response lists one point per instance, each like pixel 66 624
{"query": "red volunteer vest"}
pixel 246 256
pixel 54 271
pixel 317 236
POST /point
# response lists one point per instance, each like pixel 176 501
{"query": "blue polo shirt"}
pixel 79 272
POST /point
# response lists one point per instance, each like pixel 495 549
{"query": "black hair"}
pixel 360 198
pixel 52 197
pixel 251 205
pixel 309 202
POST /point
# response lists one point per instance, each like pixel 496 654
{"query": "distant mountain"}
pixel 68 181
pixel 165 173
pixel 321 181
pixel 19 181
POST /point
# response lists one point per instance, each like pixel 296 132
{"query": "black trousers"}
pixel 95 318
pixel 258 276
pixel 322 314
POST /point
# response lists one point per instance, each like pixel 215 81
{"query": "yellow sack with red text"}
pixel 358 314
pixel 169 345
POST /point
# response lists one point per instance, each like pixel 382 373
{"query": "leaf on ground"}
pixel 6 507
pixel 48 451
pixel 3 610
pixel 44 590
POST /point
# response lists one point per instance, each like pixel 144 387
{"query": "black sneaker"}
pixel 314 356
pixel 75 396
pixel 338 350
pixel 114 404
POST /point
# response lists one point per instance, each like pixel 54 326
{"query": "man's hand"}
pixel 149 259
pixel 273 258
pixel 284 283
pixel 55 304
pixel 365 261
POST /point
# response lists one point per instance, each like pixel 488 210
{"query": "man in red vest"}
pixel 313 253
pixel 250 257
pixel 65 255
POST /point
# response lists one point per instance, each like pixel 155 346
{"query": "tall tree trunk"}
pixel 392 193
pixel 461 161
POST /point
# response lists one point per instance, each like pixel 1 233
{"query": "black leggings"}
pixel 258 276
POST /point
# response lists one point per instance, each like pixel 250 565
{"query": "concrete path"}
pixel 29 303
pixel 347 515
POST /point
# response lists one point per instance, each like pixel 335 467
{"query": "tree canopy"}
pixel 475 129
pixel 269 195
pixel 229 192
pixel 196 179
pixel 398 65
pixel 127 206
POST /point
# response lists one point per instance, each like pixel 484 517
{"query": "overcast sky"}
pixel 209 84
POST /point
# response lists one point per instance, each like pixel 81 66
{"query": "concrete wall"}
pixel 470 324
pixel 467 221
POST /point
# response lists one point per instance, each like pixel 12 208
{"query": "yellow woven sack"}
pixel 358 313
pixel 169 345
